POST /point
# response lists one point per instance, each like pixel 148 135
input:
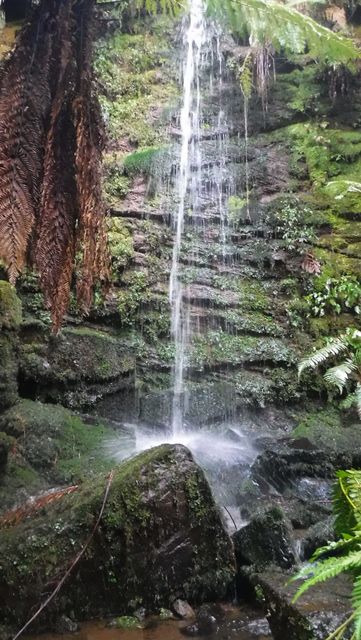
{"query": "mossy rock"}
pixel 51 446
pixel 77 368
pixel 329 429
pixel 160 534
pixel 10 307
pixel 8 371
pixel 316 615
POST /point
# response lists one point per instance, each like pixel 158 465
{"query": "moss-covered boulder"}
pixel 10 319
pixel 77 368
pixel 160 537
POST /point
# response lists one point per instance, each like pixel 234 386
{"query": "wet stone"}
pixel 183 609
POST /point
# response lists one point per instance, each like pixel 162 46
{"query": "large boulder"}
pixel 10 319
pixel 160 537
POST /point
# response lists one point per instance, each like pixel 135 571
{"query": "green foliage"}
pixel 235 209
pixel 131 298
pixel 116 184
pixel 346 552
pixel 335 295
pixel 289 224
pixel 268 21
pixel 120 244
pixel 345 376
pixel 128 68
pixel 328 152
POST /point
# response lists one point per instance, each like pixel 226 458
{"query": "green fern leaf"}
pixel 329 568
pixel 334 348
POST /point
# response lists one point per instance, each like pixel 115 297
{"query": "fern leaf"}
pixel 327 569
pixel 339 375
pixel 334 348
pixel 24 101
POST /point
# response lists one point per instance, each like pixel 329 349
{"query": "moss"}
pixel 116 185
pixel 332 325
pixel 120 244
pixel 327 429
pixel 10 307
pixel 129 66
pixel 215 348
pixel 127 622
pixel 8 371
pixel 55 443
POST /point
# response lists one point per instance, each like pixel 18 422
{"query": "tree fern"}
pixel 268 21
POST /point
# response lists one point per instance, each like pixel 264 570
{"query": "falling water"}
pixel 190 157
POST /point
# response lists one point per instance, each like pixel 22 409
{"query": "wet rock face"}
pixel 160 538
pixel 267 539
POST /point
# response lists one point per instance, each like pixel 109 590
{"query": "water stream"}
pixel 199 197
pixel 189 177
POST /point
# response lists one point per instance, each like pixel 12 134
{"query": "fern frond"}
pixel 268 21
pixel 327 569
pixel 339 375
pixel 334 348
pixel 347 503
pixel 24 101
pixel 172 7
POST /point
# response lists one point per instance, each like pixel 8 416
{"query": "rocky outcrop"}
pixel 313 617
pixel 160 538
pixel 76 368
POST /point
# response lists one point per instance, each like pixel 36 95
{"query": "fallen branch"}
pixel 14 516
pixel 74 562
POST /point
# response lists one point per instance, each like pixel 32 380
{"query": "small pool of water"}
pixel 238 624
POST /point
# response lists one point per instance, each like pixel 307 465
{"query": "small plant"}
pixel 346 552
pixel 336 295
pixel 345 376
pixel 288 222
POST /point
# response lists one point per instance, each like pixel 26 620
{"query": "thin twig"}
pixel 73 564
pixel 230 515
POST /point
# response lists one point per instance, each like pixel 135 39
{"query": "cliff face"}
pixel 255 308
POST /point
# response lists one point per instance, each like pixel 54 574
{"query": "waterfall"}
pixel 189 178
